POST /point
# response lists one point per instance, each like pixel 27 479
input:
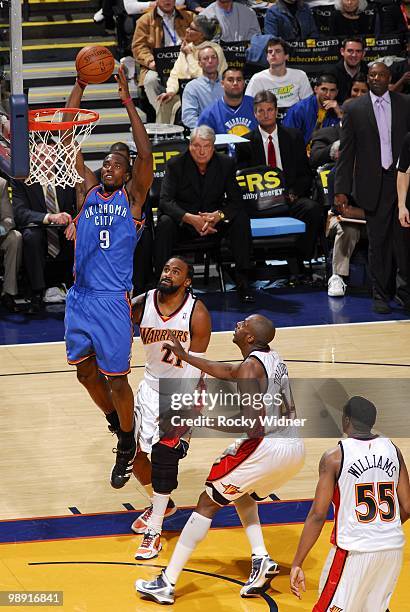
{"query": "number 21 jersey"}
pixel 367 513
pixel 160 362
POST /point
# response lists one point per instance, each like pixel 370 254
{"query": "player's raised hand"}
pixel 121 79
pixel 297 581
pixel 176 347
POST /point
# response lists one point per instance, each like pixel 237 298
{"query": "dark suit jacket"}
pixel 296 169
pixel 321 143
pixel 359 168
pixel 344 80
pixel 184 190
pixel 29 204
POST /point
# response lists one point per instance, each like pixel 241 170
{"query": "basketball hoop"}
pixel 55 138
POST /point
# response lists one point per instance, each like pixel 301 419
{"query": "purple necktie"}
pixel 384 132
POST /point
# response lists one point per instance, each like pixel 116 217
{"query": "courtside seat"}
pixel 276 226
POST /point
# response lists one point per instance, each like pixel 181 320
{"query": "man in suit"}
pixel 374 127
pixel 201 197
pixel 274 145
pixel 321 145
pixel 32 206
pixel 11 245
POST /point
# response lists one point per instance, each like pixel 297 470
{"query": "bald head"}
pixel 378 78
pixel 261 328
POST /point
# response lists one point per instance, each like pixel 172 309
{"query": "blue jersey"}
pixel 224 119
pixel 106 239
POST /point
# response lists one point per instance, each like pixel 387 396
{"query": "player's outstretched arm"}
pixel 224 371
pixel 89 178
pixel 403 489
pixel 328 468
pixel 142 170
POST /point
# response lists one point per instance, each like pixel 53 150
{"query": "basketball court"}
pixel 64 530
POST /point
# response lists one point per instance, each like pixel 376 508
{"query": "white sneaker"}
pixel 262 572
pixel 150 546
pixel 336 287
pixel 99 17
pixel 141 522
pixel 159 590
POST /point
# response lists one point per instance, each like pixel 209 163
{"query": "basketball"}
pixel 94 64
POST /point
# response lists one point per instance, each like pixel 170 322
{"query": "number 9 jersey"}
pixel 367 512
pixel 106 238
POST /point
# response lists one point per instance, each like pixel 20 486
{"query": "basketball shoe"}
pixel 150 546
pixel 141 522
pixel 262 572
pixel 160 589
pixel 122 470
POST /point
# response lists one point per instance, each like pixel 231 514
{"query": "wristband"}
pixel 126 101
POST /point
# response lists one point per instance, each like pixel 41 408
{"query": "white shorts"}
pixel 254 466
pixel 358 582
pixel 146 408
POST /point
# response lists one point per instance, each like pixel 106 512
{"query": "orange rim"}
pixel 35 124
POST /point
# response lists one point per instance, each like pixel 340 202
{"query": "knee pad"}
pixel 164 460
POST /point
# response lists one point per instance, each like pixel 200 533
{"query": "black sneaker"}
pixel 122 470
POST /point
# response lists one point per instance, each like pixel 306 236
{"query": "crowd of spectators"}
pixel 290 116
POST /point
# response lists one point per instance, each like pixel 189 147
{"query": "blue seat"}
pixel 276 226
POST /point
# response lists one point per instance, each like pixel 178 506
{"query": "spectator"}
pixel 233 113
pixel 400 73
pixel 163 26
pixel 283 148
pixel 201 197
pixel 290 20
pixel 202 91
pixel 288 84
pixel 238 22
pixel 32 207
pixel 137 7
pixel 11 244
pixel 350 19
pixel 201 31
pixel 374 127
pixel 359 87
pixel 319 110
pixel 351 64
pixel 321 148
pixel 324 138
pixel 346 234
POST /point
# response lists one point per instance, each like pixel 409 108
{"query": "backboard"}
pixel 14 141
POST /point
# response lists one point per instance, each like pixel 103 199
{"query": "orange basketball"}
pixel 94 64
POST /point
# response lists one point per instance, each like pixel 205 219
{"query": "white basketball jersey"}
pixel 160 362
pixel 367 513
pixel 277 400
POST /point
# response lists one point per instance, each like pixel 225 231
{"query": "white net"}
pixel 53 151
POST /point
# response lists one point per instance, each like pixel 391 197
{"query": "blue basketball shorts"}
pixel 99 324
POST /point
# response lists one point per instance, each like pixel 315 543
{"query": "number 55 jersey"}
pixel 367 512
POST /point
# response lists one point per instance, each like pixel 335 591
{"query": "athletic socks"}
pixel 159 506
pixel 192 534
pixel 247 509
